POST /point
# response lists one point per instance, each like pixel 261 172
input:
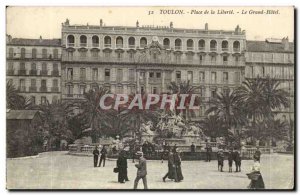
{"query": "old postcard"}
pixel 150 98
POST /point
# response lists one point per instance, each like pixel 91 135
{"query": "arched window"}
pixel 213 45
pixel 201 45
pixel 70 41
pixel 83 41
pixel 166 43
pixel 131 42
pixel 119 42
pixel 190 44
pixel 143 42
pixel 107 41
pixel 95 41
pixel 224 45
pixel 236 46
pixel 178 44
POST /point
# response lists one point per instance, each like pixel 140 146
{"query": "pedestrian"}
pixel 257 181
pixel 122 167
pixel 257 154
pixel 103 156
pixel 220 156
pixel 230 160
pixel 237 161
pixel 174 148
pixel 145 148
pixel 208 152
pixel 96 156
pixel 177 162
pixel 141 170
pixel 171 167
pixel 193 148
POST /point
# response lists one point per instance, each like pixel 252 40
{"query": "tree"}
pixel 14 100
pixel 96 117
pixel 55 118
pixel 225 107
pixel 134 117
pixel 184 88
pixel 213 127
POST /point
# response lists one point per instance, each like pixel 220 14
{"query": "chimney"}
pixel 285 43
pixel 137 24
pixel 41 39
pixel 206 26
pixel 101 22
pixel 8 38
pixel 171 24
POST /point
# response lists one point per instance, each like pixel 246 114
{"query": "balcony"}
pixel 83 44
pixel 177 47
pixel 71 44
pixel 225 49
pixel 225 62
pixel 201 48
pixel 167 46
pixel 213 49
pixel 55 73
pixel 33 72
pixel 107 45
pixel 131 46
pixel 236 50
pixel 95 45
pixel 143 45
pixel 43 89
pixel 10 72
pixel 119 45
pixel 22 72
pixel 54 89
pixel 82 78
pixel 22 89
pixel 32 89
pixel 107 79
pixel 190 48
pixel 44 72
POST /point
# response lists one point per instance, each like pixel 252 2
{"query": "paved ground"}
pixel 61 171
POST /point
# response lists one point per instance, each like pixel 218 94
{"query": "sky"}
pixel 33 22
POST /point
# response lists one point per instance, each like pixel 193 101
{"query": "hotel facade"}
pixel 135 59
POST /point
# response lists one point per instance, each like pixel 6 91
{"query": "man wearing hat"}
pixel 141 170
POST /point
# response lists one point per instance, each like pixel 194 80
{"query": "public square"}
pixel 58 170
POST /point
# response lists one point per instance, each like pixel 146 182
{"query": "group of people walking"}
pixel 174 166
pixel 233 155
pixel 102 155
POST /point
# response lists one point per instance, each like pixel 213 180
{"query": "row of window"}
pixel 34 54
pixel 33 70
pixel 119 43
pixel 152 75
pixel 43 86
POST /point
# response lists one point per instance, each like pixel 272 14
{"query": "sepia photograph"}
pixel 150 98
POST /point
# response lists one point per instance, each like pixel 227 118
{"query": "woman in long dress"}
pixel 177 162
pixel 122 167
pixel 256 183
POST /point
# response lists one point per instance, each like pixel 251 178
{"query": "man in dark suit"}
pixel 141 170
pixel 193 148
pixel 96 156
pixel 257 154
pixel 103 156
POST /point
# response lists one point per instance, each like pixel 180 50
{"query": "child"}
pixel 220 156
pixel 230 159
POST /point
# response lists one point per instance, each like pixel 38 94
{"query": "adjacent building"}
pixel 135 59
pixel 34 67
pixel 273 58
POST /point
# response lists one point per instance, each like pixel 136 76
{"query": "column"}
pixel 163 82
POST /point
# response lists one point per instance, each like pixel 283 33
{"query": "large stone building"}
pixel 147 59
pixel 33 66
pixel 273 58
pixel 135 59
